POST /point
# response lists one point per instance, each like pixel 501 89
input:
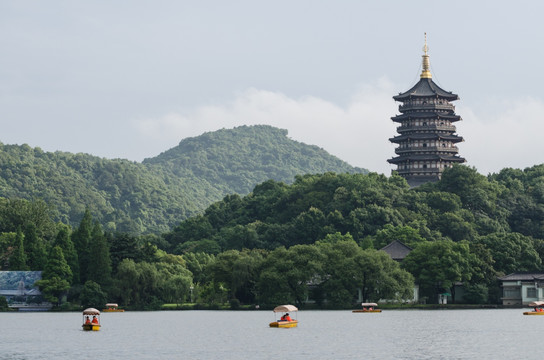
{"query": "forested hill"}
pixel 236 160
pixel 466 227
pixel 155 195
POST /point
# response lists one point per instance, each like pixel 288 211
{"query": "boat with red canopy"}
pixel 368 308
pixel 112 307
pixel 538 308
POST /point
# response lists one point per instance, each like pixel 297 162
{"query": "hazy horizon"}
pixel 130 82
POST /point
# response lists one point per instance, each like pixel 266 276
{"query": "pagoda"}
pixel 427 138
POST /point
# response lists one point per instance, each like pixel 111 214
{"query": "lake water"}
pixel 225 335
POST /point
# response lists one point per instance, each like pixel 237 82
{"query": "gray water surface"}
pixel 225 335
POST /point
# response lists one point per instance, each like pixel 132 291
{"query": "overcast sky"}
pixel 131 79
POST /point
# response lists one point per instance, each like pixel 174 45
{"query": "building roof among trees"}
pixel 523 276
pixel 397 250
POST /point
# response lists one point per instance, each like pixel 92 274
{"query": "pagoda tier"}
pixel 427 138
pixel 426 117
pixel 426 88
pixel 440 158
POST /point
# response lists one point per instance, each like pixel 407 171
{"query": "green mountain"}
pixel 158 193
pixel 235 160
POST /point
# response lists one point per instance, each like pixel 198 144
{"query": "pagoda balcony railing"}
pixel 418 171
pixel 404 128
pixel 407 107
pixel 426 149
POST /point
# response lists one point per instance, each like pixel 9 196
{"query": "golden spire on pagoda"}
pixel 426 72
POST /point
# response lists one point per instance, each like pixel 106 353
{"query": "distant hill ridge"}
pixel 158 193
pixel 245 156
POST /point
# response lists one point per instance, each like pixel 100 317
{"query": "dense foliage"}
pixel 236 160
pixel 153 196
pixel 316 239
pixel 469 227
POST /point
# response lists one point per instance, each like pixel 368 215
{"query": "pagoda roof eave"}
pixel 430 115
pixel 426 87
pixel 425 136
pixel 429 157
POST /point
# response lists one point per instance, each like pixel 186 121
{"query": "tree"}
pixel 56 265
pixel 7 242
pixel 20 212
pixel 444 201
pixel 380 277
pixel 286 274
pixel 347 268
pixel 512 252
pixel 476 294
pixel 64 241
pixel 456 226
pixel 238 271
pixel 192 229
pixel 336 281
pixel 3 304
pixel 149 282
pixel 18 261
pixel 36 249
pixel 207 246
pixel 370 219
pixel 389 233
pixel 437 265
pixel 127 279
pixel 99 266
pixel 139 284
pixel 92 295
pixel 53 289
pixel 123 246
pixel 81 238
pixel 240 237
pixel 176 288
pixel 308 226
pixel 54 284
pixel 197 263
pixel 476 192
pixel 174 281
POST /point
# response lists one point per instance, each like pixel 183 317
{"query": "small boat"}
pixel 538 308
pixel 112 307
pixel 368 308
pixel 285 320
pixel 88 323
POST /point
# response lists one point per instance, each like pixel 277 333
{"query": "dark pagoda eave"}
pixel 426 115
pixel 426 87
pixel 425 136
pixel 425 157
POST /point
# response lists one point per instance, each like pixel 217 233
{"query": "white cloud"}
pixel 506 134
pixel 358 132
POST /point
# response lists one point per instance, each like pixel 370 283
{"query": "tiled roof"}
pixel 397 250
pixel 430 115
pixel 523 276
pixel 425 88
pixel 425 157
pixel 426 136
